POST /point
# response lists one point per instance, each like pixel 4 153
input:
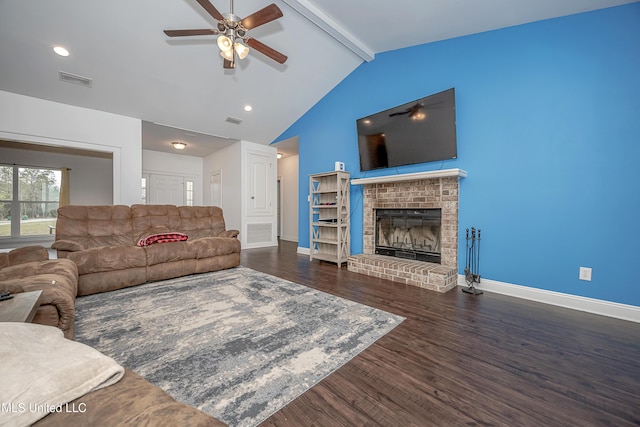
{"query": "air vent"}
pixel 233 120
pixel 259 233
pixel 72 78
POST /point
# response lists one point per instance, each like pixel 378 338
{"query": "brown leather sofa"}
pixel 98 252
pixel 102 242
pixel 30 269
pixel 132 401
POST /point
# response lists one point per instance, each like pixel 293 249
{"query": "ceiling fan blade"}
pixel 181 33
pixel 228 64
pixel 264 15
pixel 266 50
pixel 206 4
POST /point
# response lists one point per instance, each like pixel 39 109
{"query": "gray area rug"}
pixel 237 344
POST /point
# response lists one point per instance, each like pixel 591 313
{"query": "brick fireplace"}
pixel 425 190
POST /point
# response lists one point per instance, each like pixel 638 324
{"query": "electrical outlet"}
pixel 585 274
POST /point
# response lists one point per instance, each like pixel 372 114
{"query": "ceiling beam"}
pixel 331 27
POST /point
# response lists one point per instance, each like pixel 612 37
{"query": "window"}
pixel 29 200
pixel 189 193
pixel 144 189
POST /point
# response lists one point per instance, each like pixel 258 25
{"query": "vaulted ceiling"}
pixel 178 86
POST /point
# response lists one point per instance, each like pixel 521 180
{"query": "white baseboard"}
pixel 589 305
pixel 303 251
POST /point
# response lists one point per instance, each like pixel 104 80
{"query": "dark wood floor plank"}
pixel 470 375
pixel 460 359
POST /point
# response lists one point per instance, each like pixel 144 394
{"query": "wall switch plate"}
pixel 585 274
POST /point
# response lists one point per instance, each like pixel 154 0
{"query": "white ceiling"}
pixel 178 87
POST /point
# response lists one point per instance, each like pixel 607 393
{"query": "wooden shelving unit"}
pixel 329 213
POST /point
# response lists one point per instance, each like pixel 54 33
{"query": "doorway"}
pixel 216 188
pixel 279 204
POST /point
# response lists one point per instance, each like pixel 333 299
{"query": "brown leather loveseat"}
pixel 103 242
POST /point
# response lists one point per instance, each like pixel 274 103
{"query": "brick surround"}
pixel 420 193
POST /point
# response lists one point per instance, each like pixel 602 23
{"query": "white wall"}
pixel 288 174
pixel 190 167
pixel 228 161
pixel 27 119
pixel 90 178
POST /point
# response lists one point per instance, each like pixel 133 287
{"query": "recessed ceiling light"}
pixel 248 108
pixel 61 51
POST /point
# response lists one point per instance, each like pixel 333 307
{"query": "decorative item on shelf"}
pixel 472 265
pixel 339 167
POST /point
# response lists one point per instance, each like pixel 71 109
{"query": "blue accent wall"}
pixel 548 125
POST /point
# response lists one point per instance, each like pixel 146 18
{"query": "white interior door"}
pixel 166 189
pixel 279 207
pixel 216 189
pixel 260 182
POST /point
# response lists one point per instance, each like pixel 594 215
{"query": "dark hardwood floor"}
pixel 458 359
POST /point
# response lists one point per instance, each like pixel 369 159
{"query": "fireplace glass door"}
pixel 409 233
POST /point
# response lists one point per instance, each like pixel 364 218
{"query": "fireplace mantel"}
pixel 444 173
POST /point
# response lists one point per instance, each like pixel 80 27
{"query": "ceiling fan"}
pixel 232 31
pixel 415 112
pixel 411 111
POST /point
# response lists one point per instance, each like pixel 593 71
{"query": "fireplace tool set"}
pixel 472 268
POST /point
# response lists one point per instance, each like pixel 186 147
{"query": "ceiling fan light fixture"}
pixel 227 54
pixel 224 43
pixel 241 50
pixel 420 115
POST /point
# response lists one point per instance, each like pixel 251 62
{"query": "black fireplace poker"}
pixel 472 267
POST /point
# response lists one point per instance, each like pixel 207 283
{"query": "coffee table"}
pixel 21 308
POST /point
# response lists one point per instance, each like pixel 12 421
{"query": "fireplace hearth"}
pixel 394 249
pixel 409 234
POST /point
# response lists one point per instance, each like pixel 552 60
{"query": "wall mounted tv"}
pixel 416 132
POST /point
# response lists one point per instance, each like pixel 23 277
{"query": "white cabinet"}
pixel 329 213
pixel 244 179
pixel 259 227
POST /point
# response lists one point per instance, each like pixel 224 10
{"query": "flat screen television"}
pixel 416 132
